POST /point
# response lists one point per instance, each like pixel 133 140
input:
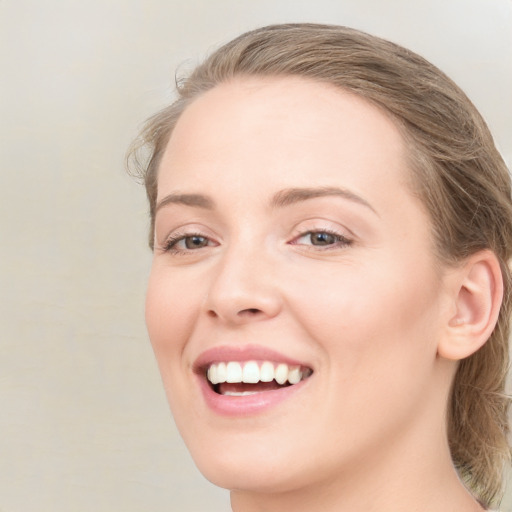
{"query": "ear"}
pixel 477 295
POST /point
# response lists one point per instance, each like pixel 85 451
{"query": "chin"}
pixel 266 459
pixel 256 477
pixel 244 478
pixel 251 462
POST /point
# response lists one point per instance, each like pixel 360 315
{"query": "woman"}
pixel 329 299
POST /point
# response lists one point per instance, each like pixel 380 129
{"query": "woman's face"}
pixel 287 238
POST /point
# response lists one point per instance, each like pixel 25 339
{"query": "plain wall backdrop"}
pixel 84 424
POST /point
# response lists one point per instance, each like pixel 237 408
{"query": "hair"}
pixel 456 171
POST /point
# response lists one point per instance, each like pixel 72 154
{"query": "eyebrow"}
pixel 281 199
pixel 197 200
pixel 295 195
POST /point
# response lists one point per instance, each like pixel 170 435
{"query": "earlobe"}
pixel 477 296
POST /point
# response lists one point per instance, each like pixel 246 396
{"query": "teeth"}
pixel 252 373
pixel 294 375
pixel 222 373
pixel 212 374
pixel 281 374
pixel 239 393
pixel 267 372
pixel 233 372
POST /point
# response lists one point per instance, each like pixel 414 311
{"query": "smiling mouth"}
pixel 234 378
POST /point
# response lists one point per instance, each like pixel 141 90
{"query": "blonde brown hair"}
pixel 457 172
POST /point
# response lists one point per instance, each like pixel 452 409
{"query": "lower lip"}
pixel 247 405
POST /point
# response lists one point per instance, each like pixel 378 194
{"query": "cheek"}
pixel 378 342
pixel 171 313
pixel 366 320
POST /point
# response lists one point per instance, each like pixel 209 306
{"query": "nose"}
pixel 243 289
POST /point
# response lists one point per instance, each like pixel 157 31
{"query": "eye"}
pixel 194 241
pixel 323 238
pixel 181 243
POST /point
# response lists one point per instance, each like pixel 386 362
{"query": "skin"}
pixel 367 312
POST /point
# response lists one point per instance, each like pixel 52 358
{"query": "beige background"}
pixel 84 425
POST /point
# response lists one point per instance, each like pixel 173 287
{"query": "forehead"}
pixel 283 132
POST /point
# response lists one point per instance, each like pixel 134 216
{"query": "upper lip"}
pixel 241 353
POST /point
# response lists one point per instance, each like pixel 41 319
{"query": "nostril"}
pixel 250 311
pixel 243 312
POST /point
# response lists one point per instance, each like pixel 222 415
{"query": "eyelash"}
pixel 340 241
